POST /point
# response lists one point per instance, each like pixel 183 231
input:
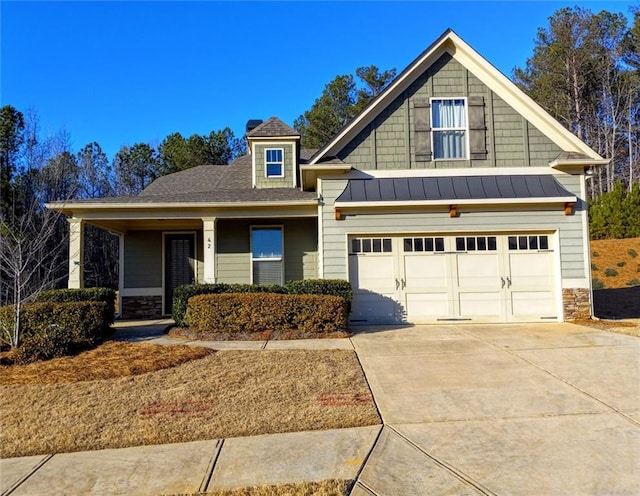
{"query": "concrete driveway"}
pixel 502 409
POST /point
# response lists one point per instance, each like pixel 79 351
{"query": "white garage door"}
pixel 478 278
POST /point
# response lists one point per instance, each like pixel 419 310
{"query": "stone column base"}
pixel 576 303
pixel 141 307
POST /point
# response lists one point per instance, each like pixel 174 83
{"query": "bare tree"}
pixel 31 254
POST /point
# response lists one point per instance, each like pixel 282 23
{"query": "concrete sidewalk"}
pixel 197 466
pixel 155 332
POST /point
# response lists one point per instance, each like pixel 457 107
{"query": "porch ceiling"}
pixel 124 225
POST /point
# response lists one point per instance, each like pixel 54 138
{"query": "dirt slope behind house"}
pixel 615 267
pixel 615 263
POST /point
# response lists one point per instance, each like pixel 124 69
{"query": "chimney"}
pixel 252 124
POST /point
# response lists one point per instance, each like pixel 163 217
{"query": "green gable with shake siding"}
pixel 452 197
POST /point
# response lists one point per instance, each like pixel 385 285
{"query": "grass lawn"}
pixel 322 488
pixel 107 399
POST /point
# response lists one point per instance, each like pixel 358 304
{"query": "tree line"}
pixel 36 169
pixel 585 71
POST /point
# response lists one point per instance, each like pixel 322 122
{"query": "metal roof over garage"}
pixel 460 189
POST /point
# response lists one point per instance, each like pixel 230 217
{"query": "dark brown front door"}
pixel 178 265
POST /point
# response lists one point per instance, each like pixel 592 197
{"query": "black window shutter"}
pixel 477 129
pixel 422 129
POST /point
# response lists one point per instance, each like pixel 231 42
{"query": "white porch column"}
pixel 76 253
pixel 209 235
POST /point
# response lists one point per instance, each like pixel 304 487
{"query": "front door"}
pixel 178 265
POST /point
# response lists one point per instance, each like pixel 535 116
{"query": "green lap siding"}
pixel 437 220
pixel 143 259
pixel 233 257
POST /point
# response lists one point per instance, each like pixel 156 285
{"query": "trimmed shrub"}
pixel 595 254
pixel 253 313
pixel 330 287
pixel 83 294
pixel 594 266
pixel 182 294
pixel 633 282
pixel 51 330
pixel 632 253
pixel 621 264
pixel 597 283
pixel 610 272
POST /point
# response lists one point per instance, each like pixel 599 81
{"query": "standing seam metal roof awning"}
pixel 459 189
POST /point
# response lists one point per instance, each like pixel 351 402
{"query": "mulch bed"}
pixel 272 335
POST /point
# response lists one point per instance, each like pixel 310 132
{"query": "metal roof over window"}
pixel 543 188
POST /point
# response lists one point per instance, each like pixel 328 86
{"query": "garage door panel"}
pixel 532 303
pixel 372 272
pixel 425 271
pixel 427 306
pixel 374 307
pixel 478 271
pixel 484 304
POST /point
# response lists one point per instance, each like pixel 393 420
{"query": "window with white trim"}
pixel 274 162
pixel 267 255
pixel 449 128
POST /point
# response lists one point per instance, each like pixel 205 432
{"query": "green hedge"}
pixel 252 313
pixel 329 287
pixel 51 330
pixel 182 294
pixel 106 295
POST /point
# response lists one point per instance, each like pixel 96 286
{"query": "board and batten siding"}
pixel 143 259
pixel 288 167
pixel 437 220
pixel 388 142
pixel 233 255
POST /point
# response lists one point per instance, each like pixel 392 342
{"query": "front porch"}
pixel 161 252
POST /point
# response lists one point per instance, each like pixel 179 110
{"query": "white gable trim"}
pixel 451 43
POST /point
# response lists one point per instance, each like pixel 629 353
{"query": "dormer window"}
pixel 274 162
pixel 449 128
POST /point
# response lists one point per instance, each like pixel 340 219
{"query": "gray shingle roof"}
pixel 211 183
pixel 272 127
pixel 453 188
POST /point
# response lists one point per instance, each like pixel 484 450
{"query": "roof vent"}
pixel 252 124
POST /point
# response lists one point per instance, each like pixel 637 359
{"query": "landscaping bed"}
pixel 274 335
pixel 224 394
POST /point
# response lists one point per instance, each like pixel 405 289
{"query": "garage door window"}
pixel 423 244
pixel 476 243
pixel 529 242
pixel 371 245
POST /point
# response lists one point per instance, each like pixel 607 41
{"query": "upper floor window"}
pixel 449 128
pixel 274 162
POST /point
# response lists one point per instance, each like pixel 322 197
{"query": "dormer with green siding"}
pixel 275 149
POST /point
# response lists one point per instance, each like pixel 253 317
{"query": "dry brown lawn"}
pixel 224 394
pixel 322 488
pixel 107 361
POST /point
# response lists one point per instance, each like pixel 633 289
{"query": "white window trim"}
pixel 271 259
pixel 266 174
pixel 465 129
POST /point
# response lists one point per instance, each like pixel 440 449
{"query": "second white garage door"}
pixel 477 278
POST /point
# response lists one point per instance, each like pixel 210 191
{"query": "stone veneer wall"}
pixel 138 307
pixel 576 303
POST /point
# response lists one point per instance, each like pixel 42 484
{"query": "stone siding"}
pixel 138 307
pixel 576 303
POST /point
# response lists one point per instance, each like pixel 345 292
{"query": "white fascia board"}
pixel 583 162
pixel 427 203
pixel 489 75
pixel 480 171
pixel 177 205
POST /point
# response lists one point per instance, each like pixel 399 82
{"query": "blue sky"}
pixel 125 72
